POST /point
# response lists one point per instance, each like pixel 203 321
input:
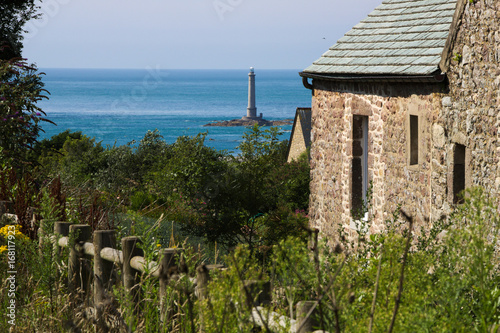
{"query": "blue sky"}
pixel 189 34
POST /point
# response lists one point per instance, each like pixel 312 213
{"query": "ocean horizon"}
pixel 118 106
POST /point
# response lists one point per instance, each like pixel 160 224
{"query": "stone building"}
pixel 405 110
pixel 300 138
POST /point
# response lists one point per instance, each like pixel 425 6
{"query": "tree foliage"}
pixel 21 87
pixel 255 197
pixel 15 14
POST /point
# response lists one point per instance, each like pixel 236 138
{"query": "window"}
pixel 458 172
pixel 413 140
pixel 359 186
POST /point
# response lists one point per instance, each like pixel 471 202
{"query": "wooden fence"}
pixel 100 247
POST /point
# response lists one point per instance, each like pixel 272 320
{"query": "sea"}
pixel 118 106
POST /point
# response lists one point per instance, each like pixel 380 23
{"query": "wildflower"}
pixel 3 248
pixel 7 230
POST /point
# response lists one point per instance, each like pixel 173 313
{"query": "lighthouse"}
pixel 251 109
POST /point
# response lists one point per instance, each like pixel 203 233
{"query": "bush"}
pixel 21 88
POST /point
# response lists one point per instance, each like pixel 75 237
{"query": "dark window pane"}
pixel 413 140
pixel 357 186
pixel 458 172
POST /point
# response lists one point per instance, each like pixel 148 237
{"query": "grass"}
pixel 444 280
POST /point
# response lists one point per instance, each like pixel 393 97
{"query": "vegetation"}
pixel 248 212
pixel 208 193
pixel 15 14
pixel 447 280
pixel 21 88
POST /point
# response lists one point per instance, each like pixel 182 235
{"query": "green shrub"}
pixel 21 87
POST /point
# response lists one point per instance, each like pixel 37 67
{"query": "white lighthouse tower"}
pixel 251 109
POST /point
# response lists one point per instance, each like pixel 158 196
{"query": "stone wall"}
pixel 471 112
pixel 388 107
pixel 458 121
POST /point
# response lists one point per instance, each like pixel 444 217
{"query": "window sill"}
pixel 354 225
pixel 414 167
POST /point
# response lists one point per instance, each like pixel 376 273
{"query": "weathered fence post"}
pixel 41 237
pixel 168 260
pixel 60 229
pixel 32 213
pixel 131 277
pixel 202 277
pixel 6 207
pixel 305 324
pixel 103 269
pixel 78 267
pixel 257 292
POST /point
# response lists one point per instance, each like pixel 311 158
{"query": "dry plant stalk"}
pixel 401 277
pixel 375 293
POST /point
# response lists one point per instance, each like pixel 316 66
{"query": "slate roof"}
pixel 400 37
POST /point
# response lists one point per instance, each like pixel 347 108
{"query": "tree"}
pixel 261 153
pixel 21 87
pixel 15 14
pixel 227 199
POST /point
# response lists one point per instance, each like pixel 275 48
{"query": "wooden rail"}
pixel 101 248
pixel 105 255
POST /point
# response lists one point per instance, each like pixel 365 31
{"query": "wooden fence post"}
pixel 305 325
pixel 257 292
pixel 202 277
pixel 131 277
pixel 103 269
pixel 78 267
pixel 60 229
pixel 32 213
pixel 6 207
pixel 168 260
pixel 41 237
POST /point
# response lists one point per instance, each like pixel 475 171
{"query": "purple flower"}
pixel 38 114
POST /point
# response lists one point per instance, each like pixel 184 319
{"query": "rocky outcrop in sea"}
pixel 245 122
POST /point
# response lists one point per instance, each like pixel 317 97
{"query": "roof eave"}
pixel 435 77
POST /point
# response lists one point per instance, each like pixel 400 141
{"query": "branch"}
pixel 372 313
pixel 401 278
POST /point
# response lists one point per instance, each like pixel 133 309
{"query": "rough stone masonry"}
pixel 455 126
